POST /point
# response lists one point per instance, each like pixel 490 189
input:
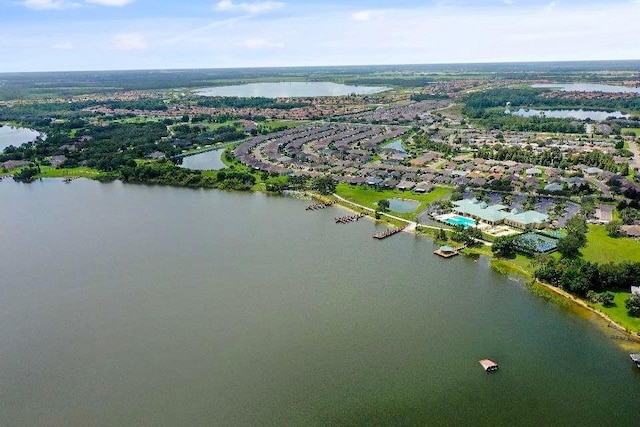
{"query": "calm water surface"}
pixel 403 205
pixel 289 90
pixel 396 145
pixel 210 160
pixel 134 305
pixel 569 114
pixel 589 87
pixel 10 135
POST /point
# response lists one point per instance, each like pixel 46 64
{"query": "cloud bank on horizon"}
pixel 44 35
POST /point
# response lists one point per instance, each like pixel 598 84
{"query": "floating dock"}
pixel 489 365
pixel 388 233
pixel 318 206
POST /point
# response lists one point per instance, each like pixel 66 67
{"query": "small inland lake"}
pixel 16 136
pixel 209 160
pixel 132 305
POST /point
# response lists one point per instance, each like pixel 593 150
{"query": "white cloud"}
pixel 44 4
pixel 67 4
pixel 129 41
pixel 246 7
pixel 259 43
pixel 117 3
pixel 363 15
pixel 63 45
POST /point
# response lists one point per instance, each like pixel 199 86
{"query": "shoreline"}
pixel 518 270
pixel 631 337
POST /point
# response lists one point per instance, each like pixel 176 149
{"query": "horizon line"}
pixel 573 61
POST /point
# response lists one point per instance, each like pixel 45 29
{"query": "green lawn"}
pixel 618 312
pixel 52 172
pixel 275 124
pixel 368 197
pixel 603 249
pixel 629 131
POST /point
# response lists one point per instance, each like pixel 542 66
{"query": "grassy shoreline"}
pixel 614 315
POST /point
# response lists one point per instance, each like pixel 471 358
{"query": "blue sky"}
pixel 51 35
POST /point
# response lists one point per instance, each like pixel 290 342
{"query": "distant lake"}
pixel 589 87
pixel 211 160
pixel 289 90
pixel 569 114
pixel 396 144
pixel 10 135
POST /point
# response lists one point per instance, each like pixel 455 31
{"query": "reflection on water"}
pixel 289 90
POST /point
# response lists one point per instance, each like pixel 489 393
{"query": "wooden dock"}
pixel 446 252
pixel 349 218
pixel 319 206
pixel 388 233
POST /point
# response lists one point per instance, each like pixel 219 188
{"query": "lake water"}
pixel 131 305
pixel 289 90
pixel 16 136
pixel 403 205
pixel 569 114
pixel 589 87
pixel 396 144
pixel 210 160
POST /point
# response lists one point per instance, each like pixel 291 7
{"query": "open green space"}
pixel 618 312
pixel 603 249
pixel 82 172
pixel 368 197
pixel 271 125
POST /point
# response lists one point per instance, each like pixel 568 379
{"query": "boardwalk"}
pixel 388 233
pixel 318 206
pixel 349 218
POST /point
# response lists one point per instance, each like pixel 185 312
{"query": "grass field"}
pixel 369 197
pixel 83 172
pixel 602 248
pixel 275 124
pixel 631 131
pixel 618 312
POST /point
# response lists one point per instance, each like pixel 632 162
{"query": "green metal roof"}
pixel 497 213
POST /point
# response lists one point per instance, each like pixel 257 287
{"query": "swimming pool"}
pixel 461 220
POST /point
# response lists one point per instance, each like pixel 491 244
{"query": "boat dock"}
pixel 318 206
pixel 349 218
pixel 489 365
pixel 446 252
pixel 388 233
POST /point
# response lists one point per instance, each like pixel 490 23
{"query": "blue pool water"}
pixel 461 220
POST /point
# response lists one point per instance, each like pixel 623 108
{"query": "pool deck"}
pixel 496 231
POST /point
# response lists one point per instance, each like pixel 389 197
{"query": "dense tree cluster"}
pixel 422 143
pixel 580 276
pixel 166 173
pixel 476 103
pixel 255 102
pixel 552 157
